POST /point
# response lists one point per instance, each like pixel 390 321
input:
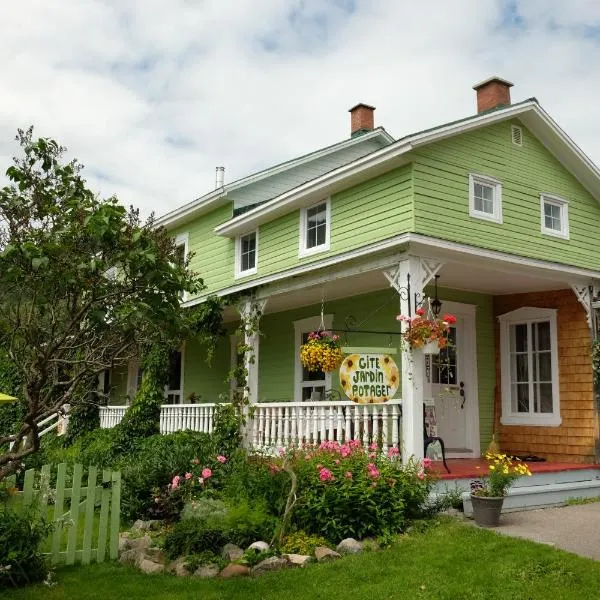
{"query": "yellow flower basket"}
pixel 322 352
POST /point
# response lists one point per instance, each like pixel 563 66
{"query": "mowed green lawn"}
pixel 450 561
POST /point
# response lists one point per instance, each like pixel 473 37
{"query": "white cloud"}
pixel 151 95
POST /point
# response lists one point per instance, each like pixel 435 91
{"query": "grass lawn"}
pixel 449 561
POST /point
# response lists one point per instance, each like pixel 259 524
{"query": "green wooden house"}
pixel 499 210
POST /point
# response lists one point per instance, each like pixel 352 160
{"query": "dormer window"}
pixel 554 216
pixel 485 198
pixel 246 254
pixel 315 226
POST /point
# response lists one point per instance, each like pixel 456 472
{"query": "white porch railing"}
pixel 279 424
pixel 294 423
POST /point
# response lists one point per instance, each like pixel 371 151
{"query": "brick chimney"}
pixel 492 93
pixel 362 119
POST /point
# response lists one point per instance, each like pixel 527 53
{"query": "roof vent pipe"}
pixel 220 178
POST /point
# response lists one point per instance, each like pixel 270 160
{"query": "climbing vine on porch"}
pixel 596 360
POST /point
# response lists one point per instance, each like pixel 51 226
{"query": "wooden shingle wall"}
pixel 574 440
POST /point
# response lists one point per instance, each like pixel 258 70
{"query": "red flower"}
pixel 450 319
pixel 420 312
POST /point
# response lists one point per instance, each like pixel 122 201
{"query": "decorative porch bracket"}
pixel 589 295
pixel 409 279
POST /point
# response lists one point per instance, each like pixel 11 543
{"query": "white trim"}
pixel 183 239
pixel 234 340
pixel 556 270
pixel 496 215
pixel 303 251
pixel 133 368
pixel 528 315
pixel 219 196
pixel 306 326
pixel 391 156
pixel 564 216
pixel 238 273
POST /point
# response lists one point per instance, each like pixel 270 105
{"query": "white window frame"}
pixel 496 216
pixel 180 391
pixel 303 250
pixel 528 315
pixel 564 216
pixel 238 255
pixel 183 239
pixel 300 327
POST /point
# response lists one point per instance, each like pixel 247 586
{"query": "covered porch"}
pixel 474 394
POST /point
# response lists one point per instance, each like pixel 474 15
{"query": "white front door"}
pixel 451 385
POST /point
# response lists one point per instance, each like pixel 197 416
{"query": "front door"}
pixel 451 388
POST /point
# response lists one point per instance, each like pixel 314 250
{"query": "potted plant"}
pixel 427 333
pixel 487 495
pixel 321 352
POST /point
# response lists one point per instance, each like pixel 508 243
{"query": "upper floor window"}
pixel 315 226
pixel 554 216
pixel 246 254
pixel 485 198
pixel 529 367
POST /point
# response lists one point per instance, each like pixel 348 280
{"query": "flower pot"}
pixel 431 347
pixel 486 510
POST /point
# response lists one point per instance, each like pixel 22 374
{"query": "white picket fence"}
pixel 283 424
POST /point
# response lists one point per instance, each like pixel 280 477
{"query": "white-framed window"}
pixel 309 385
pixel 182 249
pixel 315 228
pixel 485 198
pixel 246 254
pixel 554 215
pixel 529 367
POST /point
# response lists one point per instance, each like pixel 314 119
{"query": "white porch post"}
pixel 251 310
pixel 417 272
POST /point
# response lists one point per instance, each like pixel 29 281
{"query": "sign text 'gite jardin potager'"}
pixel 369 378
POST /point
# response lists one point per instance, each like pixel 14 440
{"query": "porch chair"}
pixel 428 440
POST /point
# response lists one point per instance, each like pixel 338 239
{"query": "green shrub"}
pixel 301 542
pixel 21 534
pixel 241 524
pixel 346 491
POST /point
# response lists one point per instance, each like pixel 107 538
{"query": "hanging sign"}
pixel 369 378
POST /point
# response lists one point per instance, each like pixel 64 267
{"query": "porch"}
pixel 477 392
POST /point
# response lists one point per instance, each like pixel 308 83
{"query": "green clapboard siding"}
pixel 369 212
pixel 212 254
pixel 442 196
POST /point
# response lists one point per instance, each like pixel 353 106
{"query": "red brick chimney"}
pixel 362 119
pixel 492 93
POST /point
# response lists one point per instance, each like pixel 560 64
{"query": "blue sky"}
pixel 151 95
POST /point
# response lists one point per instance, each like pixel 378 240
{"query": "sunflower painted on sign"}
pixel 369 378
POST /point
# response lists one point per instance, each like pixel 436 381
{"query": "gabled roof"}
pixel 218 197
pixel 531 114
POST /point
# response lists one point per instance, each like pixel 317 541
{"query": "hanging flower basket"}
pixel 428 334
pixel 321 352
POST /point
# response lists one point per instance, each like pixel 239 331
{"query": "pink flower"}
pixel 281 451
pixel 274 469
pixel 421 475
pixel 326 475
pixel 373 446
pixel 373 471
pixel 427 463
pixel 175 482
pixel 188 475
pixel 393 451
pixel 206 473
pixel 221 459
pixel 348 475
pixel 345 451
pixel 372 454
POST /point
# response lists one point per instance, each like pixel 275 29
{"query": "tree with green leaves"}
pixel 85 285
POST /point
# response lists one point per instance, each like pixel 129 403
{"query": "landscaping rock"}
pixel 232 552
pixel 124 542
pixel 273 563
pixel 157 555
pixel 349 546
pixel 143 526
pixel 259 546
pixel 297 560
pixel 128 557
pixel 452 512
pixel 140 544
pixel 178 567
pixel 233 570
pixel 324 554
pixel 207 571
pixel 149 566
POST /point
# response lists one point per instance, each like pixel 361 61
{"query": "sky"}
pixel 152 95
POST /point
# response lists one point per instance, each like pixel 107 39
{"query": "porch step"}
pixel 529 497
